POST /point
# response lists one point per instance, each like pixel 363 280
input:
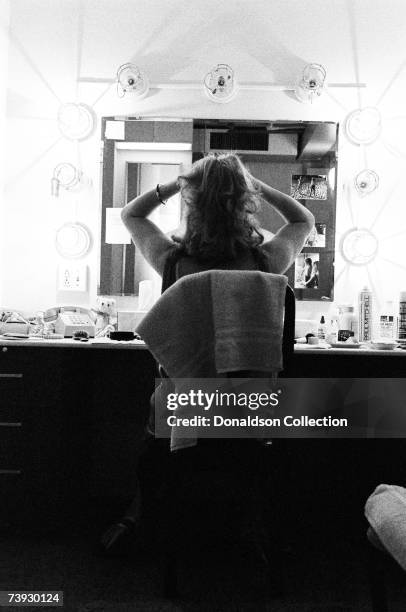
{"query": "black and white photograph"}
pixel 307 271
pixel 317 237
pixel 309 187
pixel 202 326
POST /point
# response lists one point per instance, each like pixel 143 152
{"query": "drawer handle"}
pixel 11 375
pixel 10 424
pixel 10 471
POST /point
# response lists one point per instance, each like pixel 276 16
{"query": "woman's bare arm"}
pixel 151 241
pixel 290 239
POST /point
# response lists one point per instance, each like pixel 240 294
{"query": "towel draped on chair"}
pixel 217 321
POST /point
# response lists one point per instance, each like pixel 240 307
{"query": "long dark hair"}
pixel 221 201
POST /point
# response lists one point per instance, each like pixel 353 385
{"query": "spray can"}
pixel 402 317
pixel 365 315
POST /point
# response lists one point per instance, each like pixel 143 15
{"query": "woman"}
pixel 220 198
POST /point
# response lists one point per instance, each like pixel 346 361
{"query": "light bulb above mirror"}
pixel 220 84
pixel 130 79
pixel 311 84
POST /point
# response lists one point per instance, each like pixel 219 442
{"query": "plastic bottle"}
pixel 332 336
pixel 321 331
pixel 365 315
pixel 387 322
pixel 402 317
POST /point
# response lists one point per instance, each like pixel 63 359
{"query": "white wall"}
pixel 52 42
pixel 4 25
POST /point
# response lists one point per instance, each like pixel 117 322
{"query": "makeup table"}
pixel 72 419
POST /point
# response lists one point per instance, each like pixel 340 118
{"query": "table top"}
pixel 364 349
pixel 106 343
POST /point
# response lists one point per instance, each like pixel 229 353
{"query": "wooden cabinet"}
pixel 71 422
pixel 34 428
pixel 122 382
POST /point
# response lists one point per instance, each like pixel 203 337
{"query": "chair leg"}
pixel 377 580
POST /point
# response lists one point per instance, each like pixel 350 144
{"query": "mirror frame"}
pixel 118 280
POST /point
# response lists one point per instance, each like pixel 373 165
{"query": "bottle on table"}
pixel 321 331
pixel 387 322
pixel 347 323
pixel 332 335
pixel 365 315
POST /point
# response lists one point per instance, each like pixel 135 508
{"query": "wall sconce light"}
pixel 220 84
pixel 67 176
pixel 76 121
pixel 72 240
pixel 312 83
pixel 366 182
pixel 130 79
pixel 363 125
pixel 359 246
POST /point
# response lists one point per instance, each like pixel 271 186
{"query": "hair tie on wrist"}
pixel 158 194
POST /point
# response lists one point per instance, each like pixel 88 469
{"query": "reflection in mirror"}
pixel 140 178
pixel 298 158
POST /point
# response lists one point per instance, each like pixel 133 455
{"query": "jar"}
pixel 347 320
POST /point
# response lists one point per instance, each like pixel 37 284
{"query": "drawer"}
pixel 11 388
pixel 12 498
pixel 11 412
pixel 34 377
pixel 11 447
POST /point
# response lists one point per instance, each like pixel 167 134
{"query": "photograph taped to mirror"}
pixel 309 187
pixel 317 237
pixel 307 271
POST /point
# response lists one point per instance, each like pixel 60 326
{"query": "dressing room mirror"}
pixel 298 158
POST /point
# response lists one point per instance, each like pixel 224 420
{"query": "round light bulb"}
pixel 363 125
pixel 359 246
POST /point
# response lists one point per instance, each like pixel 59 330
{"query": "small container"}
pixel 332 335
pixel 387 322
pixel 125 336
pixel 347 322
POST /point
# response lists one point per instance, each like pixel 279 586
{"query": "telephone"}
pixel 69 319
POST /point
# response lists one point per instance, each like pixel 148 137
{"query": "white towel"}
pixel 248 320
pixel 385 510
pixel 214 322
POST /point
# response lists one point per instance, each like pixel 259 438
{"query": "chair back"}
pixel 169 277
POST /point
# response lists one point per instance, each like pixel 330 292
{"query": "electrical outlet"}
pixel 72 277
